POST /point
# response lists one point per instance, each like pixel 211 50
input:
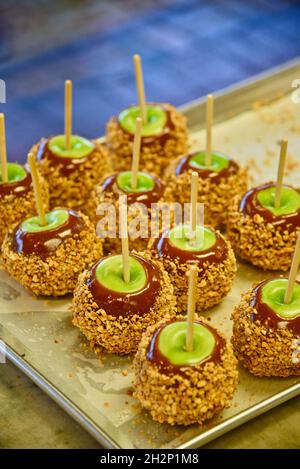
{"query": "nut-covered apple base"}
pixel 214 279
pixel 263 351
pixel 112 244
pixel 177 399
pixel 260 243
pixel 74 190
pixel 217 197
pixel 13 209
pixel 156 156
pixel 56 274
pixel 118 334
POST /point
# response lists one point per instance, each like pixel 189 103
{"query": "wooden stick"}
pixel 140 86
pixel 191 308
pixel 37 189
pixel 280 173
pixel 124 239
pixel 136 152
pixel 209 123
pixel 3 149
pixel 68 113
pixel 194 197
pixel 293 272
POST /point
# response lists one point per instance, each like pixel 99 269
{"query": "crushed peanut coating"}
pixel 259 242
pixel 215 195
pixel 74 190
pixel 57 273
pixel 156 155
pixel 119 334
pixel 199 394
pixel 263 351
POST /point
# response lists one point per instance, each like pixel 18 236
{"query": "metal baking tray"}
pixel 40 340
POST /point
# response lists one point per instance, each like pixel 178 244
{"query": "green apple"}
pixel 289 202
pixel 109 273
pixel 272 294
pixel 179 237
pixel 15 172
pixel 172 340
pixel 156 122
pixel 55 219
pixel 80 147
pixel 145 182
pixel 219 161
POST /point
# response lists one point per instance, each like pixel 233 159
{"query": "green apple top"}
pixel 157 119
pixel 172 340
pixel 80 147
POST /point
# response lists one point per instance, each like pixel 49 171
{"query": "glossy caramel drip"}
pixel 17 188
pixel 250 205
pixel 155 356
pixel 162 137
pixel 44 243
pixel 215 254
pixel 267 317
pixel 126 304
pixel 65 165
pixel 184 166
pixel 147 197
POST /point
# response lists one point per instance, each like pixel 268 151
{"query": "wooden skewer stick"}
pixel 194 197
pixel 209 123
pixel 140 86
pixel 3 149
pixel 191 308
pixel 293 272
pixel 37 189
pixel 68 113
pixel 280 173
pixel 136 152
pixel 124 239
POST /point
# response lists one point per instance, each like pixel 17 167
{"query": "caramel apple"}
pixel 219 182
pixel 47 259
pixel 17 197
pixel 149 190
pixel 113 313
pixel 16 190
pixel 210 252
pixel 72 165
pixel 183 387
pixel 266 330
pixel 164 133
pixel 261 233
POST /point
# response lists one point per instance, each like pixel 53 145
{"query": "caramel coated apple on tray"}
pixel 16 190
pixel 208 250
pixel 119 297
pixel 46 253
pixel 72 165
pixel 164 132
pixel 141 190
pixel 185 371
pixel 266 326
pixel 220 179
pixel 264 222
